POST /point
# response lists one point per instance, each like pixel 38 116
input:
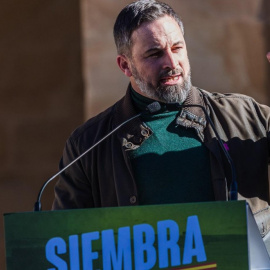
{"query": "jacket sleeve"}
pixel 73 189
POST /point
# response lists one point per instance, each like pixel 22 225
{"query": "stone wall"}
pixel 41 100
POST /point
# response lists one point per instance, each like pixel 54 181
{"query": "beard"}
pixel 172 93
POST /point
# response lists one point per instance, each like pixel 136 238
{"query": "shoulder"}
pixel 238 105
pixel 215 96
pixel 97 126
pixel 231 100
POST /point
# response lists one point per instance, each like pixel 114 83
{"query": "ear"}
pixel 123 64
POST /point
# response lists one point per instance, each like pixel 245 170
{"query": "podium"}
pixel 193 236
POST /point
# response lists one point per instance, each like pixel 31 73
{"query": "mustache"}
pixel 168 73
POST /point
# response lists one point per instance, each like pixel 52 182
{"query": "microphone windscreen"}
pixel 153 107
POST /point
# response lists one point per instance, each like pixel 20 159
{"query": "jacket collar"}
pixel 124 110
pixel 193 117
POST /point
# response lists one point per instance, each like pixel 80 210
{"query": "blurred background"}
pixel 58 68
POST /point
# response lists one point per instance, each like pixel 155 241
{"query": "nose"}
pixel 170 60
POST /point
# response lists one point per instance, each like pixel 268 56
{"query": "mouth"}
pixel 171 80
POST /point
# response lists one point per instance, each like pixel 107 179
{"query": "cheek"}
pixel 152 75
pixel 154 70
pixel 186 66
pixel 184 62
pixel 150 71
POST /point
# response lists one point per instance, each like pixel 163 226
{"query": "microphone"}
pixel 233 187
pixel 150 109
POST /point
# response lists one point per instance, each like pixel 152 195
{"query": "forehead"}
pixel 161 32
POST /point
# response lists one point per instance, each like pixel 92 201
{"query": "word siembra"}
pixel 144 241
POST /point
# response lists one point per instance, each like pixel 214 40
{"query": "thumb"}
pixel 268 56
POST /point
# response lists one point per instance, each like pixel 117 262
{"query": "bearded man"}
pixel 170 156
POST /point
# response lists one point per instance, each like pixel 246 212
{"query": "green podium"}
pixel 195 236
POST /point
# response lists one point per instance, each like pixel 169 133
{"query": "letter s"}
pixel 55 246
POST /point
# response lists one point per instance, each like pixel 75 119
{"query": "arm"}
pixel 73 188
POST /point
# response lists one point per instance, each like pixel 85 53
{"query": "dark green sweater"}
pixel 172 166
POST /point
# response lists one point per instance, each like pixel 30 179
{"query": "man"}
pixel 171 156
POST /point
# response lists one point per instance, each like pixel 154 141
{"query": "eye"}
pixel 177 49
pixel 155 54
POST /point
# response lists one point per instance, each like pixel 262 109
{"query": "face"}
pixel 158 67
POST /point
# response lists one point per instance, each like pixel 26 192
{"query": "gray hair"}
pixel 134 15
